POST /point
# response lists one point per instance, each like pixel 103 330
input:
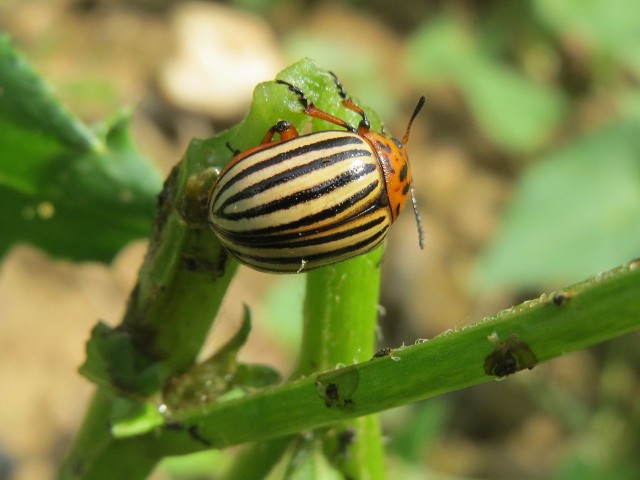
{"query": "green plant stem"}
pixel 341 310
pixel 580 316
pixel 182 281
pixel 179 290
pixel 341 314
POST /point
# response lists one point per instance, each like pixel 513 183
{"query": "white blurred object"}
pixel 221 55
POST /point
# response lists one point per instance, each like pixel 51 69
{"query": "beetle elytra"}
pixel 305 201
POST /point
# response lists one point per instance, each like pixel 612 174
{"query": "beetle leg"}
pixel 284 129
pixel 341 91
pixel 364 125
pixel 234 151
pixel 310 109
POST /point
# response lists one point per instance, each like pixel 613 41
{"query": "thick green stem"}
pixel 538 330
pixel 179 290
pixel 341 314
pixel 180 287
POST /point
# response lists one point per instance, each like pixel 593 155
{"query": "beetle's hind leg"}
pixel 310 109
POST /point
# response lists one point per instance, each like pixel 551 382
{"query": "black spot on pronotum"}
pixel 406 189
pixel 508 357
pixel 403 172
pixel 383 146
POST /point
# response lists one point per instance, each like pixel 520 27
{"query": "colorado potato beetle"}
pixel 306 201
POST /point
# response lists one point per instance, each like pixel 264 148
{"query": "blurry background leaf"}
pixel 515 112
pixel 282 310
pixel 75 193
pixel 573 214
pixel 491 72
pixel 425 422
pixel 611 30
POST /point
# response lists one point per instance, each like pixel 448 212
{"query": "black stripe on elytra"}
pixel 294 240
pixel 403 172
pixel 306 195
pixel 290 174
pixel 309 220
pixel 289 154
pixel 368 243
pixel 383 146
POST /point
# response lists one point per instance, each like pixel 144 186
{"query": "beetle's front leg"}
pixel 282 128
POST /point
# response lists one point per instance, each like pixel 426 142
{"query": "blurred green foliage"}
pixel 551 86
pixel 516 113
pixel 75 192
pixel 576 210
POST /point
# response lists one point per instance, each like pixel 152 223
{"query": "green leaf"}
pixel 515 112
pixel 574 213
pixel 228 353
pixel 115 362
pixel 131 417
pixel 74 192
pixel 609 28
pixel 219 374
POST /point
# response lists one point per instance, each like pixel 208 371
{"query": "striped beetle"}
pixel 302 202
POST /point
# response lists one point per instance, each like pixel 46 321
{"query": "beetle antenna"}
pixel 415 113
pixel 414 202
